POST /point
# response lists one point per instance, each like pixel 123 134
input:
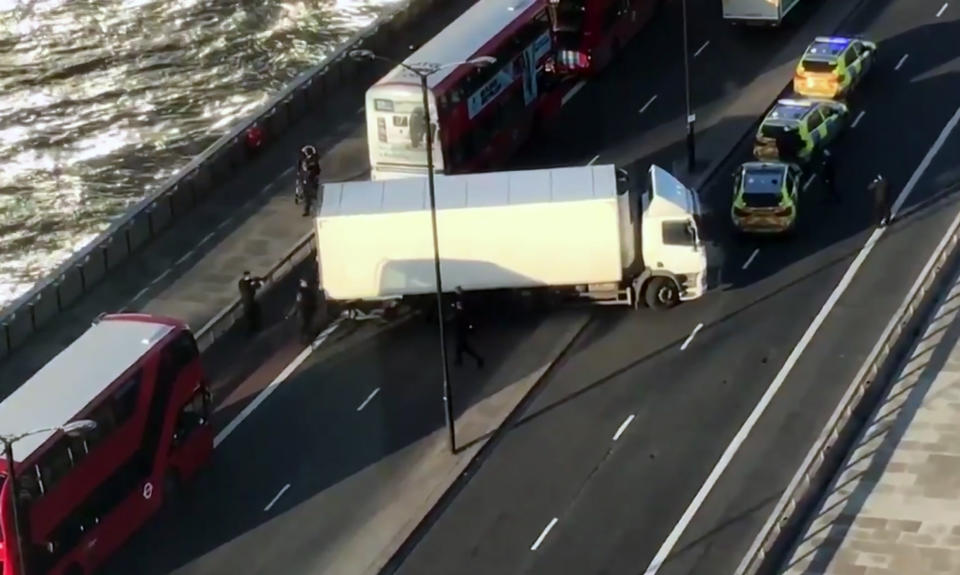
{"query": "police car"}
pixel 765 197
pixel 832 66
pixel 796 129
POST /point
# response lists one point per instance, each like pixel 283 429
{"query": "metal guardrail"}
pixel 190 186
pixel 805 489
pixel 228 316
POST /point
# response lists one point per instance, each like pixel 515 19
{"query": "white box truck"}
pixel 757 12
pixel 581 231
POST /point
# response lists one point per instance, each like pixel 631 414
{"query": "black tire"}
pixel 661 293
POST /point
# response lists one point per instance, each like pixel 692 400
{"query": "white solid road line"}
pixel 623 427
pixel 160 277
pixel 942 9
pixel 183 258
pixel 206 238
pixel 647 105
pixel 276 497
pixel 263 395
pixel 139 295
pixel 691 336
pixel 573 92
pixel 701 48
pixel 902 60
pixel 369 397
pixel 595 158
pixel 543 534
pixel 781 376
pixel 858 118
pixel 749 261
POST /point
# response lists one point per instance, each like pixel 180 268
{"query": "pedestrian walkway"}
pixel 893 509
pixel 191 272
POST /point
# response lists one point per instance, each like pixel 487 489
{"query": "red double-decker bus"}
pixel 480 116
pixel 589 33
pixel 138 377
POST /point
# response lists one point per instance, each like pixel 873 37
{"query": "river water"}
pixel 101 100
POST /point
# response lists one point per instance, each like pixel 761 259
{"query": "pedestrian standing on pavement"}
pixel 881 201
pixel 306 309
pixel 462 326
pixel 248 286
pixel 828 173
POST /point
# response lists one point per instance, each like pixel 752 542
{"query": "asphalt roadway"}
pixel 615 502
pixel 561 495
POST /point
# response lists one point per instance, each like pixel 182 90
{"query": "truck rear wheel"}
pixel 661 293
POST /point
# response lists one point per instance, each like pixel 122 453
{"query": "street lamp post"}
pixel 691 117
pixel 73 428
pixel 423 72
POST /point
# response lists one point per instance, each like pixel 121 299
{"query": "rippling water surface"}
pixel 100 100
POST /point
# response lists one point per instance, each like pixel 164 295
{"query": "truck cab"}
pixel 673 252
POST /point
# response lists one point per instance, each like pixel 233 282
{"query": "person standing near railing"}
pixel 306 309
pixel 308 177
pixel 248 286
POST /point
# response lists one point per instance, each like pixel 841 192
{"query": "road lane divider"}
pixel 826 455
pixel 573 92
pixel 649 102
pixel 690 337
pixel 749 261
pixel 942 9
pixel 720 467
pixel 623 426
pixel 543 534
pixel 368 399
pixel 857 119
pixel 701 48
pixel 277 497
pixel 902 60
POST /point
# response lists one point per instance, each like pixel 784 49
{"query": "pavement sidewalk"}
pixel 893 510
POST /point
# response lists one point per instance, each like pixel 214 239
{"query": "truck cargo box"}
pixel 761 12
pixel 504 230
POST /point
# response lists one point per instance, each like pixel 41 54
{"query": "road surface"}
pixel 561 495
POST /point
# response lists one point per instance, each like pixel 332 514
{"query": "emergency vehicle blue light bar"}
pixel 834 40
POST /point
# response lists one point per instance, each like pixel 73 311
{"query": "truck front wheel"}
pixel 661 293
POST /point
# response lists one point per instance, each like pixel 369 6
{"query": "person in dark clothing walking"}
pixel 248 286
pixel 308 177
pixel 306 309
pixel 881 201
pixel 828 173
pixel 462 326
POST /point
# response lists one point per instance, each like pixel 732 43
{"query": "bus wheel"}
pixel 661 293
